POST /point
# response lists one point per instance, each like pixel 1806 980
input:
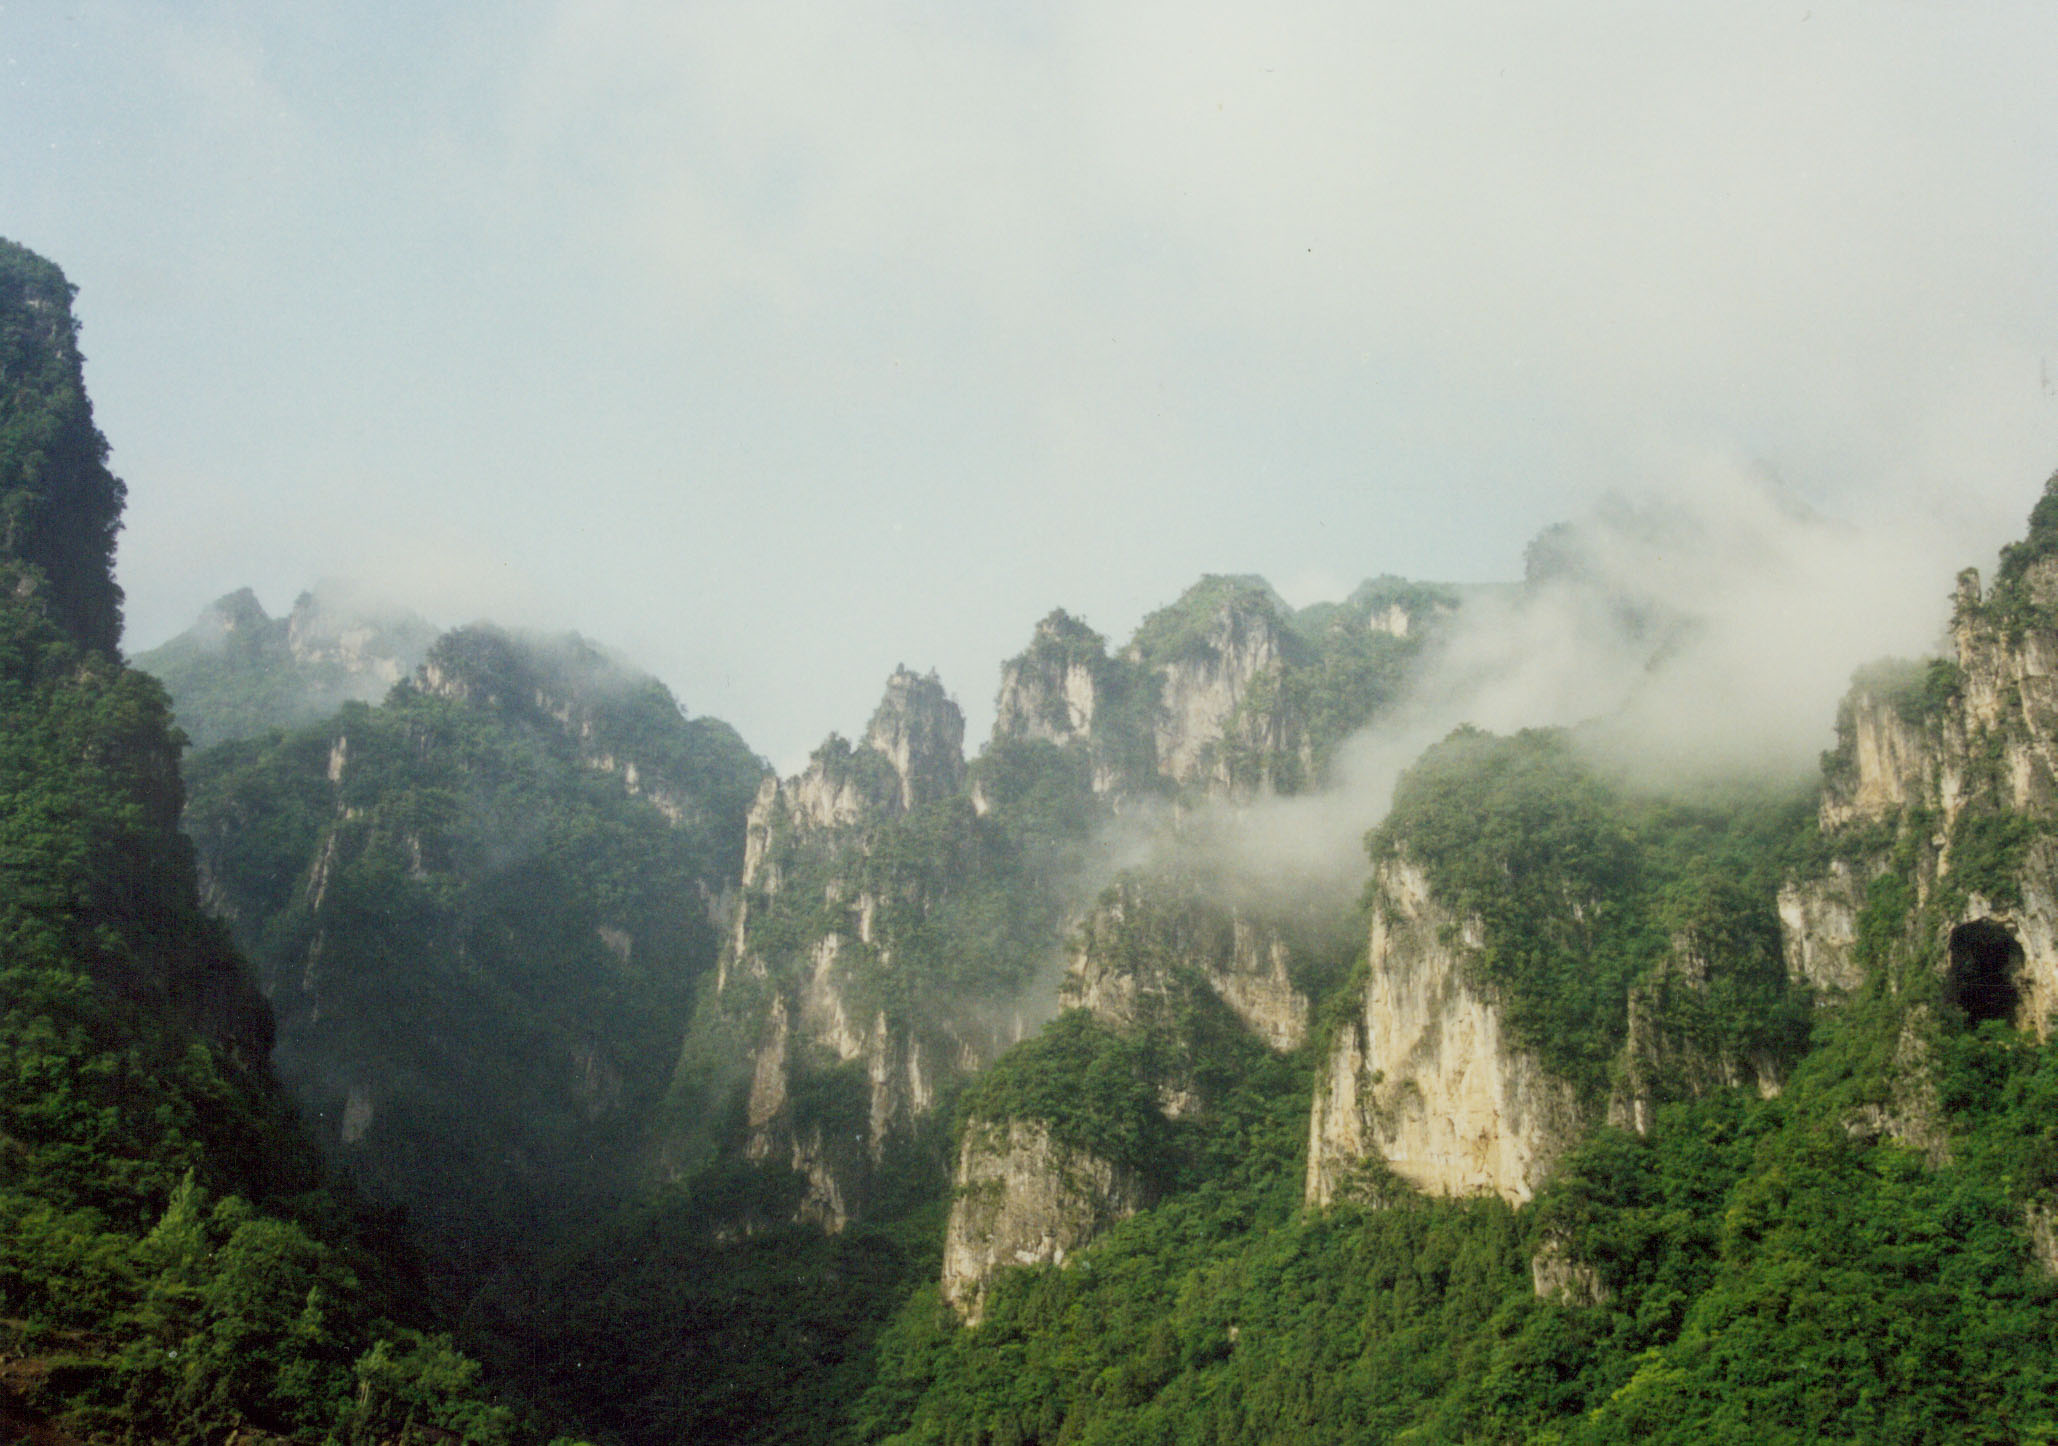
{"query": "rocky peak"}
pixel 1053 690
pixel 1215 652
pixel 238 612
pixel 921 732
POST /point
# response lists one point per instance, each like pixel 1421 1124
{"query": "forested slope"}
pixel 173 1266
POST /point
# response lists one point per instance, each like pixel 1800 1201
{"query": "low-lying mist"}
pixel 1700 633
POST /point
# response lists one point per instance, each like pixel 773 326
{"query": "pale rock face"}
pixel 1056 705
pixel 1425 1078
pixel 357 1114
pixel 824 798
pixel 1996 744
pixel 1023 1198
pixel 1818 927
pixel 1051 691
pixel 1198 697
pixel 1258 987
pixel 757 829
pixel 917 729
pixel 901 1093
pixel 2035 927
pixel 1891 757
pixel 922 734
pixel 1243 962
pixel 822 1015
pixel 2040 1220
pixel 372 641
pixel 768 1079
pixel 822 1205
pixel 1556 1274
pixel 1394 620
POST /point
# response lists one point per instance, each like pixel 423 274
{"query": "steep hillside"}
pixel 173 1267
pixel 480 910
pixel 59 505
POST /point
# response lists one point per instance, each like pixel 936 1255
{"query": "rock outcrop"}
pixel 1150 942
pixel 1055 689
pixel 1227 692
pixel 1424 1076
pixel 1025 1198
pixel 1946 776
pixel 239 673
pixel 1219 694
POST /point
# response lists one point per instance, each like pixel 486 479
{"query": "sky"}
pixel 776 344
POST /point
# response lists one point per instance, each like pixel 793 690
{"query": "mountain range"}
pixel 462 1037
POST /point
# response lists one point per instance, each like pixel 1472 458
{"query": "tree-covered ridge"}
pixel 1589 891
pixel 481 909
pixel 237 673
pixel 59 505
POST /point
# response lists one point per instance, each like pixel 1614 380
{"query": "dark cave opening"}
pixel 1984 962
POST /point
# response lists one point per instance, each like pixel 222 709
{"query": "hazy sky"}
pixel 778 343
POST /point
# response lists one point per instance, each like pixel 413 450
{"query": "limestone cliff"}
pixel 1219 696
pixel 1945 777
pixel 1548 947
pixel 1151 941
pixel 842 980
pixel 1170 987
pixel 1423 1076
pixel 1055 689
pixel 1023 1198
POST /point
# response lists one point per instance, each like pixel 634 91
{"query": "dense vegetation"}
pixel 487 912
pixel 481 910
pixel 59 505
pixel 1759 1274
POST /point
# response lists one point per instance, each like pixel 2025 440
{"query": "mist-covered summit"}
pixel 238 672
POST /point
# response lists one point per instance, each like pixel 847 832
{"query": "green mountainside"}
pixel 479 910
pixel 174 1265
